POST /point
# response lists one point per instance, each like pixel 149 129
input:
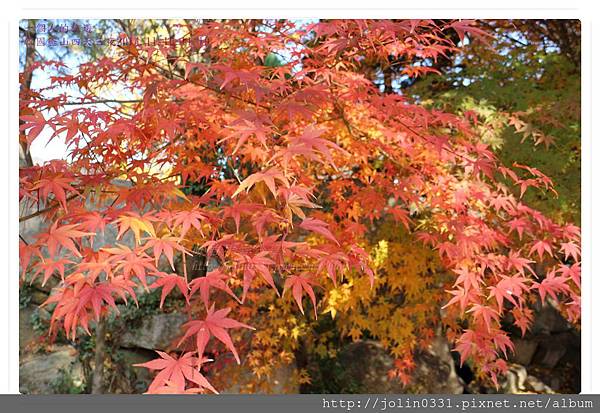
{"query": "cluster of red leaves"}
pixel 297 161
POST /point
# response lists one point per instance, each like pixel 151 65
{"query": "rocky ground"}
pixel 546 360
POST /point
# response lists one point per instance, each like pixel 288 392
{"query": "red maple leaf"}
pixel 216 279
pixel 63 236
pixel 189 219
pixel 309 145
pixel 56 185
pixel 215 325
pixel 35 124
pixel 318 226
pixel 570 249
pixel 541 247
pixel 298 284
pixel 50 266
pixel 255 265
pixel 168 282
pixel 243 128
pixel 136 223
pixel 552 285
pixel 76 301
pixel 466 345
pixel 174 372
pixel 485 314
pixel 508 288
pixel 236 210
pixel 268 177
pixel 130 261
pixel 165 245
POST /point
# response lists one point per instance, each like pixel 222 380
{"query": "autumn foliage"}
pixel 317 195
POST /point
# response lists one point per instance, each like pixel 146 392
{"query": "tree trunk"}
pixel 98 372
pixel 30 37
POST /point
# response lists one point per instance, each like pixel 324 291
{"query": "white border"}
pixel 585 10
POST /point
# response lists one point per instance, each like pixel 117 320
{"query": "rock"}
pixel 368 363
pixel 520 373
pixel 553 348
pixel 534 384
pixel 156 332
pixel 435 372
pixel 26 333
pixel 549 321
pixel 524 351
pixel 138 378
pixel 517 380
pixel 551 355
pixel 56 372
pixel 38 297
pixel 514 380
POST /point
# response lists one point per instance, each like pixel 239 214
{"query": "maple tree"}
pixel 526 92
pixel 266 145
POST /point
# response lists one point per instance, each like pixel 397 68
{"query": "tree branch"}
pixel 47 209
pixel 103 101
